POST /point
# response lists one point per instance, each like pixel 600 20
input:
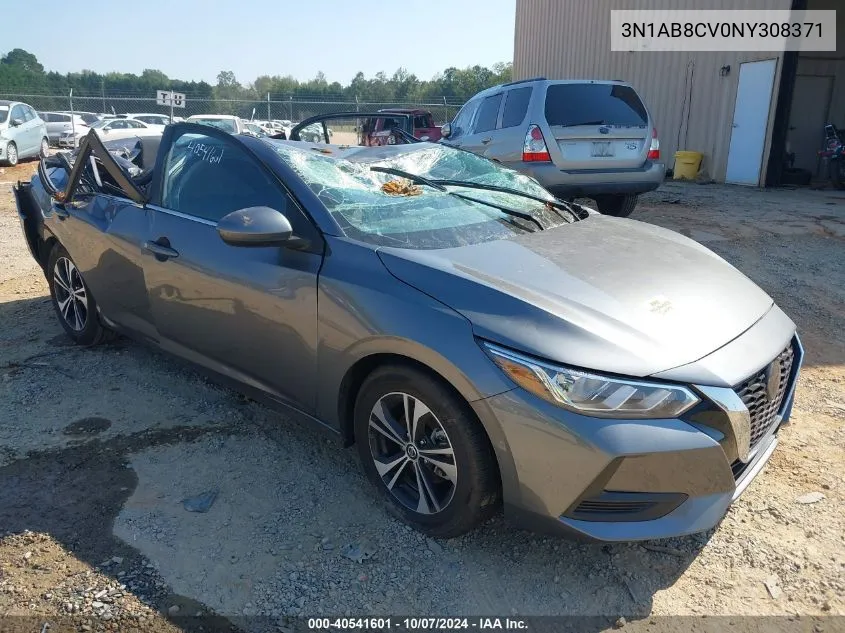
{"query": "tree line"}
pixel 22 73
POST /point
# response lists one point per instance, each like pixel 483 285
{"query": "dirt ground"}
pixel 99 448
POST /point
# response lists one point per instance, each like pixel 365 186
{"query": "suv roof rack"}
pixel 522 81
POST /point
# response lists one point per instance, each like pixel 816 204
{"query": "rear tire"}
pixel 72 300
pixel 462 494
pixel 620 206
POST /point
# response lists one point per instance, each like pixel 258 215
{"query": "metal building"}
pixel 750 113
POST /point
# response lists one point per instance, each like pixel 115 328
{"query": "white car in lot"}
pixel 226 122
pixel 150 118
pixel 111 129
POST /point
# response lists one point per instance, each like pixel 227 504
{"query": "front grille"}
pixel 754 393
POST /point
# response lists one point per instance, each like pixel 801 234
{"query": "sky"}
pixel 195 39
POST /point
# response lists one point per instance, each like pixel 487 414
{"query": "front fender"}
pixel 363 310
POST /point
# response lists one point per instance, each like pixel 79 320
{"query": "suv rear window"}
pixel 594 104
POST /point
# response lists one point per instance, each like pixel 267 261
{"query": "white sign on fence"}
pixel 168 98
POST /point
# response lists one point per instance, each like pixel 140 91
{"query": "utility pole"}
pixel 103 92
pixel 72 117
pixel 268 108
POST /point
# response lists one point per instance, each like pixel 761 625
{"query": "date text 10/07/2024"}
pixel 417 624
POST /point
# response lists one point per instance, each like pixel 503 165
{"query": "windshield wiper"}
pixel 596 122
pixel 440 187
pixel 554 204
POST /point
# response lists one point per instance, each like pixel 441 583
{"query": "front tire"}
pixel 620 206
pixel 45 148
pixel 425 452
pixel 11 154
pixel 72 300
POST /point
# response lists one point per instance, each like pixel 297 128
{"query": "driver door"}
pixel 248 313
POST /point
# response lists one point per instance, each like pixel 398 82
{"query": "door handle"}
pixel 484 141
pixel 161 249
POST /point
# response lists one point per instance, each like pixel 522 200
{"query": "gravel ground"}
pixel 100 448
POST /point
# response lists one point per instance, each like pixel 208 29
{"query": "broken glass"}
pixel 361 201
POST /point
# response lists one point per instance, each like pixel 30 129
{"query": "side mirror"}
pixel 255 226
pixel 446 130
pixel 16 122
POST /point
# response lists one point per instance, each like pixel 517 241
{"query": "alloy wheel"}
pixel 70 294
pixel 412 453
pixel 12 155
pixel 45 148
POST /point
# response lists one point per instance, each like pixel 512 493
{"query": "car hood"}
pixel 604 293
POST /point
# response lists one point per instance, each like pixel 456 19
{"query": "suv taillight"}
pixel 654 148
pixel 534 149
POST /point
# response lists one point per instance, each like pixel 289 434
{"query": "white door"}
pixel 807 117
pixel 751 117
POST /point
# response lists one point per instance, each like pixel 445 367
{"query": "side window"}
pixel 463 120
pixel 487 114
pixel 516 106
pixel 207 177
pixel 17 113
pixel 133 124
pixel 29 113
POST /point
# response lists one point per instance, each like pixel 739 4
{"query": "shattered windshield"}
pixel 387 210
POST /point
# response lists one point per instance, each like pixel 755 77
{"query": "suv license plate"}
pixel 602 148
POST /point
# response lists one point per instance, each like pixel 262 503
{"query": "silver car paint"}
pixel 26 137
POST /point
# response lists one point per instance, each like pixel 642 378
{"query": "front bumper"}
pixel 620 480
pixel 593 182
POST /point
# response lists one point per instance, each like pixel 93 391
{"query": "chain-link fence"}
pixel 272 107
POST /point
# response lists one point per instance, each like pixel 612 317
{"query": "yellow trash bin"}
pixel 687 165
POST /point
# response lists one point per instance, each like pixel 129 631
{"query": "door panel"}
pixel 247 313
pixel 808 115
pixel 751 118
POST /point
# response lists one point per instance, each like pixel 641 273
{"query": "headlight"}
pixel 592 394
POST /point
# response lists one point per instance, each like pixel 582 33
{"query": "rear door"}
pixel 249 313
pixel 596 126
pixel 510 137
pixel 103 234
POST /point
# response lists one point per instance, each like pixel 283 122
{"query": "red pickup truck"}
pixel 377 131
